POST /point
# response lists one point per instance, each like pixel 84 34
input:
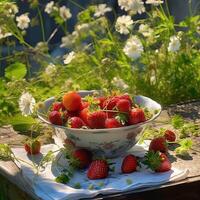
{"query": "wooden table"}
pixel 14 187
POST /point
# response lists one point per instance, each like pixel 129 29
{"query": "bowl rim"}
pixel 103 129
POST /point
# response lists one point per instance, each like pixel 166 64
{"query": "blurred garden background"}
pixel 146 47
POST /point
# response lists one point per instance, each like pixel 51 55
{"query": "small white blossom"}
pixel 133 48
pixel 145 30
pixel 12 9
pixel 67 41
pixel 23 21
pixel 119 83
pixel 174 44
pixel 82 27
pixel 69 57
pixel 154 2
pixel 26 104
pixel 4 34
pixel 101 9
pixel 134 6
pixel 65 13
pixel 49 7
pixel 50 69
pixel 124 24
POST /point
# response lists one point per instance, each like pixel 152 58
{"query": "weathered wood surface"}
pixel 10 175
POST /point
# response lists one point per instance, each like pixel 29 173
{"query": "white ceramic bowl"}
pixel 107 142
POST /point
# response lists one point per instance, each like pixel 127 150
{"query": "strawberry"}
pixel 158 144
pixel 112 123
pixel 72 101
pixel 169 136
pixel 110 103
pixel 84 104
pixel 96 119
pixel 123 105
pixel 129 164
pixel 83 158
pixel 55 118
pixel 32 147
pixel 84 115
pixel 136 115
pixel 157 161
pixel 75 122
pixel 58 106
pixel 127 97
pixel 101 101
pixel 98 169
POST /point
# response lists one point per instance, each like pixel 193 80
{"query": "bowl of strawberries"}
pixel 106 125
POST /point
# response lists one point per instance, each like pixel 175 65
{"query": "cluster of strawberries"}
pixel 95 112
pixel 155 159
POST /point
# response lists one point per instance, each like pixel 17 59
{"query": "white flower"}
pixel 12 10
pixel 65 13
pixel 82 27
pixel 101 9
pixel 69 57
pixel 4 34
pixel 145 30
pixel 50 69
pixel 123 24
pixel 119 83
pixel 154 2
pixel 23 21
pixel 174 44
pixel 67 41
pixel 133 48
pixel 26 104
pixel 49 7
pixel 135 6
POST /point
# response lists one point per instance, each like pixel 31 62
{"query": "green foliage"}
pixel 21 123
pixel 185 146
pixel 15 71
pixel 177 121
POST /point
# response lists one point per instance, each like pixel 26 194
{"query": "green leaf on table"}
pixel 5 152
pixel 185 146
pixel 21 123
pixel 177 121
pixel 16 71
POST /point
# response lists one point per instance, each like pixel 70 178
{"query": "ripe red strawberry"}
pixel 123 105
pixel 112 123
pixel 84 158
pixel 55 118
pixel 84 115
pixel 101 101
pixel 72 101
pixel 32 147
pixel 75 122
pixel 96 119
pixel 127 97
pixel 110 103
pixel 136 115
pixel 98 169
pixel 170 135
pixel 129 164
pixel 157 161
pixel 84 104
pixel 58 106
pixel 158 144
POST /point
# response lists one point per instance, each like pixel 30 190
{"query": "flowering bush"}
pixel 152 56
